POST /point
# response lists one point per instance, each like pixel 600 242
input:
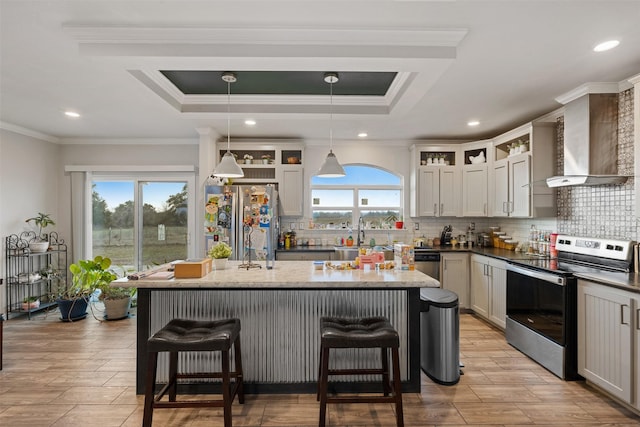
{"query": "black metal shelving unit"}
pixel 33 275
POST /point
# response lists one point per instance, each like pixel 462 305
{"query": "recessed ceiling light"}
pixel 473 123
pixel 363 135
pixel 71 114
pixel 610 44
pixel 250 122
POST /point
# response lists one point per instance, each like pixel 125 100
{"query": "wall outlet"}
pixel 416 226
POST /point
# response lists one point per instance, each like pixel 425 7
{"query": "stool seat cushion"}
pixel 365 332
pixel 195 335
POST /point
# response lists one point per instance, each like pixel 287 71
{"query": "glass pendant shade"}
pixel 331 168
pixel 228 168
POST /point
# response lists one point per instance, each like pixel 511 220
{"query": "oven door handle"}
pixel 547 277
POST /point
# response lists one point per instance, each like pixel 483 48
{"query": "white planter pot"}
pixel 26 306
pixel 220 263
pixel 38 247
pixel 116 309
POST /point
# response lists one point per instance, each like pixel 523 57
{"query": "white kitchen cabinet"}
pixel 517 180
pixel 608 339
pixel 291 190
pixel 454 275
pixel 498 293
pixel 437 188
pixel 304 255
pixel 510 185
pixel 479 285
pixel 474 190
pixel 488 288
pixel 272 163
pixel 435 182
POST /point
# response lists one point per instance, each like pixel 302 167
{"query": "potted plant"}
pixel 266 158
pixel 393 219
pixel 220 254
pixel 248 158
pixel 88 275
pixel 117 301
pixel 40 243
pixel 30 303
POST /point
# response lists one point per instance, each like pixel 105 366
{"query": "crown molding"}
pixel 28 132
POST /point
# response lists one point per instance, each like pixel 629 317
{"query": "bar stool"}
pixel 180 335
pixel 367 332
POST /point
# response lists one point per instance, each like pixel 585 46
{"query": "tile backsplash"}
pixel 606 210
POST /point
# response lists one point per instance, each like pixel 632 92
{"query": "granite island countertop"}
pixel 292 275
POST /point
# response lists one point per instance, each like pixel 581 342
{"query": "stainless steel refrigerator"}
pixel 245 217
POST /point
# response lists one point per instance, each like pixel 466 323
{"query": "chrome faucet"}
pixel 360 231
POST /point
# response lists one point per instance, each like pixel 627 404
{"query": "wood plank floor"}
pixel 82 374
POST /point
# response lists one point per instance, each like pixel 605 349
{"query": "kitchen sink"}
pixel 349 253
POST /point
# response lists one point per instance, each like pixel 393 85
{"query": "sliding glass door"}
pixel 140 223
pixel 163 233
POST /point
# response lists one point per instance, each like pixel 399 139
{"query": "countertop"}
pixel 626 281
pixel 492 252
pixel 293 275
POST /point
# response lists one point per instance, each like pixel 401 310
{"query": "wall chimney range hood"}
pixel 590 140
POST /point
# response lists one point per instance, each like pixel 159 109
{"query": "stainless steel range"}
pixel 542 297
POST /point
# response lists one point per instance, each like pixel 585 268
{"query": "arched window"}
pixel 366 191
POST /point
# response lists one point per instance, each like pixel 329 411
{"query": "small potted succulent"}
pixel 220 254
pixel 30 303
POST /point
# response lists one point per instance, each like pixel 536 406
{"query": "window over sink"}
pixel 365 191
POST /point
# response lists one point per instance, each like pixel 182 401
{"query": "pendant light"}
pixel 228 168
pixel 331 168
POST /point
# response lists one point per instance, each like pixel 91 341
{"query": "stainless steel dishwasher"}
pixel 428 262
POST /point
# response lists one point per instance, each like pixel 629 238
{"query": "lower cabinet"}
pixel 609 339
pixel 488 289
pixel 454 275
pixel 304 255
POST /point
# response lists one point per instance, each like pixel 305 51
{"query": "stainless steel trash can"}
pixel 440 335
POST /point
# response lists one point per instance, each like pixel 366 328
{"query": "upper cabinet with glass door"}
pixel 522 160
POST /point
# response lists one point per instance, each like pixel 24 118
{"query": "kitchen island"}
pixel 280 309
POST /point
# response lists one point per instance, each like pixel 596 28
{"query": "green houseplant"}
pixel 220 254
pixel 42 221
pixel 117 301
pixel 88 275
